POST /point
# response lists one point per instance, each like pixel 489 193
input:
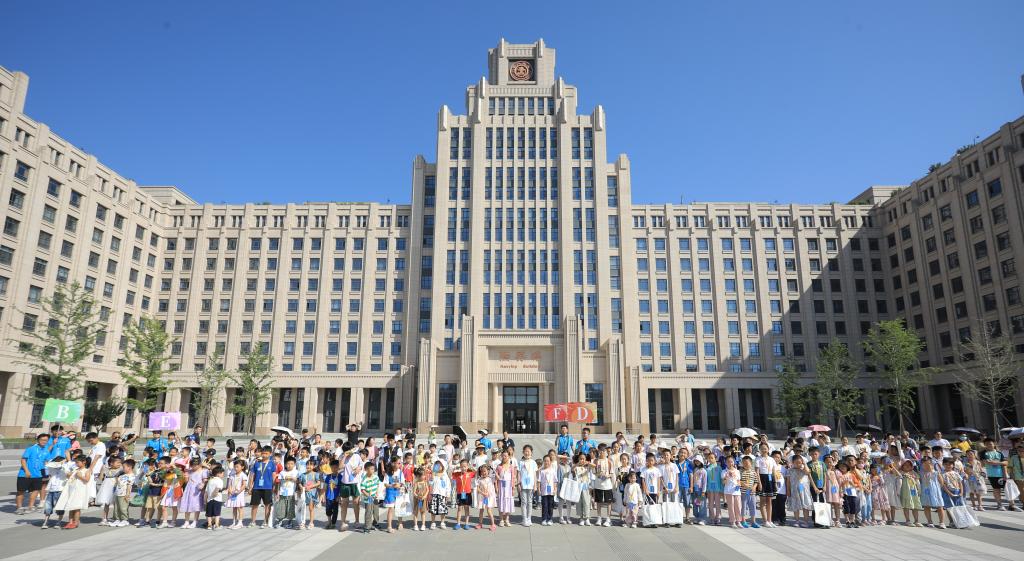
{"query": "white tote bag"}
pixel 823 514
pixel 570 490
pixel 962 517
pixel 1012 492
pixel 672 513
pixel 403 506
pixel 651 514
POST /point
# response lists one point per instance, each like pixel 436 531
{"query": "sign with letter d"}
pixel 61 411
pixel 582 412
pixel 164 420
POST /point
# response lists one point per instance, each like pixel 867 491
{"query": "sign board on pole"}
pixel 164 420
pixel 575 412
pixel 556 412
pixel 582 412
pixel 61 411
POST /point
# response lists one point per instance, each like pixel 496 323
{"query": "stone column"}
pixel 172 400
pixel 732 408
pixel 614 397
pixel 118 392
pixel 926 405
pixel 357 406
pixel 495 407
pixel 685 399
pixel 16 413
pixel 637 419
pixel 218 421
pixel 425 409
pixel 310 410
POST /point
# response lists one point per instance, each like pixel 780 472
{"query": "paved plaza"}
pixel 1000 538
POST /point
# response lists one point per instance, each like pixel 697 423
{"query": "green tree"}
pixel 791 396
pixel 145 365
pixel 56 354
pixel 893 350
pixel 209 383
pixel 834 390
pixel 98 413
pixel 987 371
pixel 253 380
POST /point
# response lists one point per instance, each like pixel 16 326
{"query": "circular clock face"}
pixel 520 70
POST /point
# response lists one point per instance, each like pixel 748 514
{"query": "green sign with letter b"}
pixel 60 411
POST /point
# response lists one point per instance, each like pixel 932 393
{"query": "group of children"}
pixel 742 484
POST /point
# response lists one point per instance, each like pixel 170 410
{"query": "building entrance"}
pixel 521 409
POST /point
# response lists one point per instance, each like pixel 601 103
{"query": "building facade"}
pixel 520 274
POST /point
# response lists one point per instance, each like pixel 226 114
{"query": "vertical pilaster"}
pixel 357 406
pixel 310 409
pixel 16 413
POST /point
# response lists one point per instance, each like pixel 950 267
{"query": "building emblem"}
pixel 520 70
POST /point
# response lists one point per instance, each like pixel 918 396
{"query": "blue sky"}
pixel 304 101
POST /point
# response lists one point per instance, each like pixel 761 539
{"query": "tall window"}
pixel 595 394
pixel 447 396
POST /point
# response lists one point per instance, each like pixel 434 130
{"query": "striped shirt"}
pixel 749 479
pixel 369 485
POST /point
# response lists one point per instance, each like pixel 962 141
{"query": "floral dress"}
pixel 714 472
pixel 910 492
pixel 833 488
pixel 236 490
pixel 485 492
pixel 798 485
pixel 192 497
pixel 506 492
pixel 879 493
pixel 976 483
pixel 931 490
pixel 893 483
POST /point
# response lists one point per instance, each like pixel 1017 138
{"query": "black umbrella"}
pixel 965 429
pixel 867 426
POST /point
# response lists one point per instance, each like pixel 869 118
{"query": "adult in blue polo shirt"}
pixel 585 445
pixel 33 467
pixel 564 444
pixel 484 441
pixel 159 444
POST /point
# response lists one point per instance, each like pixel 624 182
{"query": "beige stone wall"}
pixel 379 351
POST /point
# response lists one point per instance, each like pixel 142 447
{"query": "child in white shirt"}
pixel 57 469
pixel 651 477
pixel 284 509
pixel 547 484
pixel 215 498
pixel 122 493
pixel 632 497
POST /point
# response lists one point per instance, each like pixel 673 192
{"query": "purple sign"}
pixel 162 420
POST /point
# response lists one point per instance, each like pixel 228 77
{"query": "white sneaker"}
pixel 164 524
pixel 104 522
pixel 433 525
pixel 587 522
pixel 527 523
pixel 443 525
pixel 607 522
pixel 563 520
